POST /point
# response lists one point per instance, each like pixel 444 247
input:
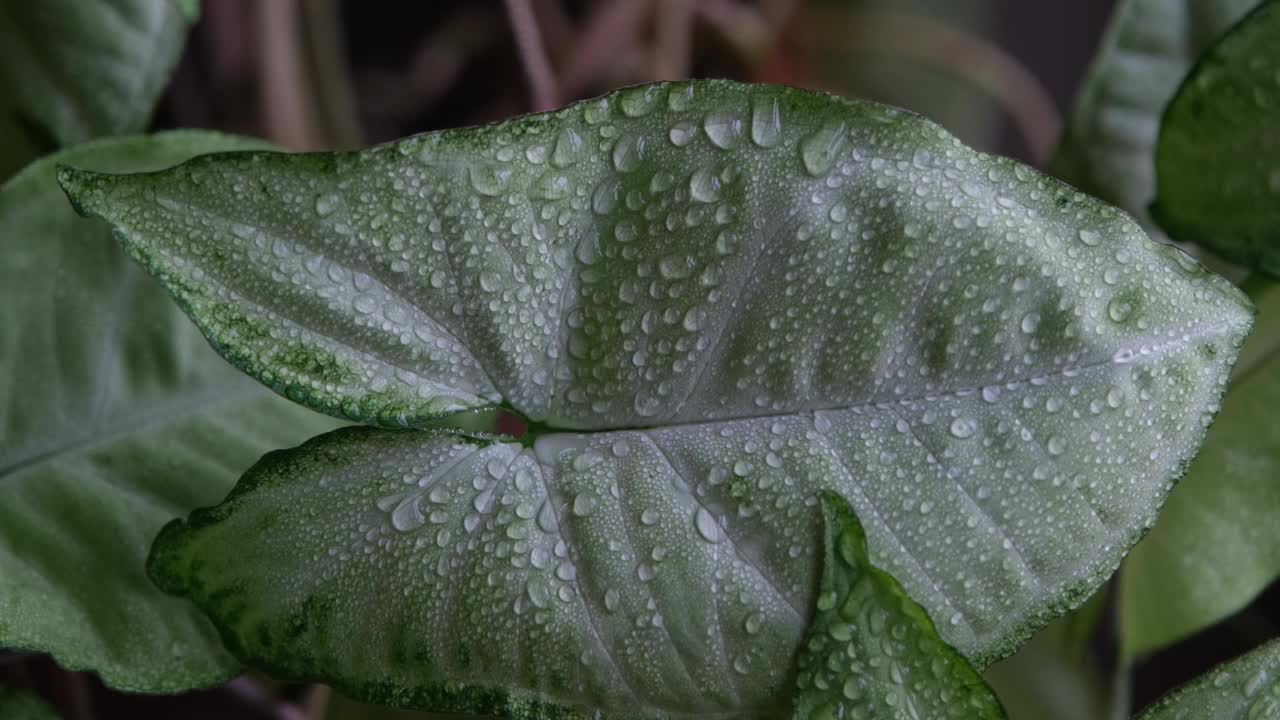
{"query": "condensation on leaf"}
pixel 1001 375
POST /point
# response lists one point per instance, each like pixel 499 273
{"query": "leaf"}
pixel 756 294
pixel 18 704
pixel 1218 155
pixel 116 417
pixel 72 71
pixel 873 652
pixel 1054 677
pixel 1247 688
pixel 1108 148
pixel 1216 544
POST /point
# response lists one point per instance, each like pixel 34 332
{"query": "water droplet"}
pixel 707 526
pixel 682 133
pixel 326 204
pixel 723 127
pixel 639 102
pixel 676 267
pixel 628 153
pixel 569 148
pixel 611 600
pixel 766 121
pixel 646 572
pixel 820 150
pixel 964 427
pixel 1119 310
pixel 605 197
pixel 1030 322
pixel 489 179
pixel 1090 237
pixel 584 504
pixel 704 186
pixel 1056 445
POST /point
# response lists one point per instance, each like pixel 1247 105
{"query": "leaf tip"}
pixel 81 188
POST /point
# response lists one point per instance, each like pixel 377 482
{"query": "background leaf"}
pixel 116 417
pixel 1218 155
pixel 1247 688
pixel 1055 676
pixel 1149 45
pixel 1216 544
pixel 71 71
pixel 23 705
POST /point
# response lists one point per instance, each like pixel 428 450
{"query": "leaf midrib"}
pixel 1156 352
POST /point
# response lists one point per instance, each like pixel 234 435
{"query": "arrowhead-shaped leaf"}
pixel 871 652
pixel 72 71
pixel 115 417
pixel 1247 688
pixel 1218 155
pixel 1108 148
pixel 748 295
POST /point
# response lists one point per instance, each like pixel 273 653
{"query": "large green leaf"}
pixel 1108 148
pixel 1247 688
pixel 1217 542
pixel 71 71
pixel 115 417
pixel 1218 155
pixel 755 294
pixel 23 705
pixel 873 653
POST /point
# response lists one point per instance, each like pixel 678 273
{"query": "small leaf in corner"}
pixel 872 651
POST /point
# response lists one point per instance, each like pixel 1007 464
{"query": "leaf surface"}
pixel 1218 155
pixel 1216 544
pixel 115 417
pixel 71 71
pixel 1247 688
pixel 1108 148
pixel 871 651
pixel 742 296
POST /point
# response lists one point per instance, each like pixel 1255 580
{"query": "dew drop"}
pixel 964 427
pixel 569 148
pixel 682 133
pixel 1090 237
pixel 723 127
pixel 326 204
pixel 1119 310
pixel 707 526
pixel 766 122
pixel 704 186
pixel 820 150
pixel 628 153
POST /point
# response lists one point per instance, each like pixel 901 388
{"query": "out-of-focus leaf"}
pixel 1216 543
pixel 844 46
pixel 1218 155
pixel 1053 677
pixel 74 70
pixel 115 416
pixel 1247 688
pixel 1108 148
pixel 18 704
